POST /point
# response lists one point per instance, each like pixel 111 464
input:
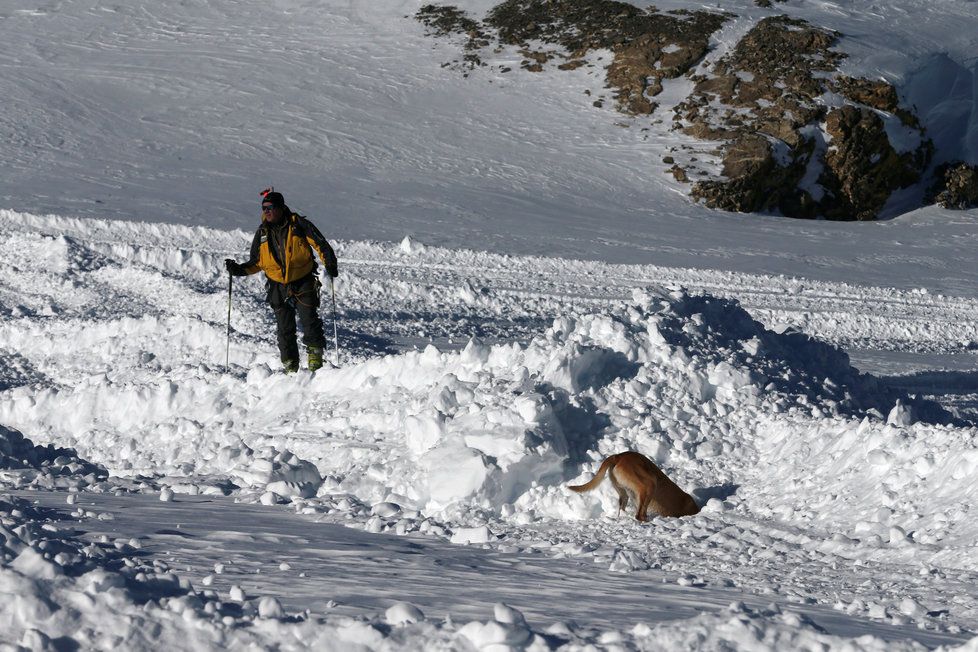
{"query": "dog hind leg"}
pixel 622 494
pixel 644 499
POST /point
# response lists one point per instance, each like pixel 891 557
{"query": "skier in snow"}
pixel 282 248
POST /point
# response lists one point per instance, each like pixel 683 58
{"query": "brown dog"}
pixel 637 476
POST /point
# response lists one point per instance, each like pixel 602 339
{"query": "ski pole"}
pixel 336 339
pixel 227 360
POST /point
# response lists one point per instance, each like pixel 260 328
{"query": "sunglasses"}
pixel 267 209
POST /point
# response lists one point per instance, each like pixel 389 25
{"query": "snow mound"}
pixel 498 430
pixel 488 431
pixel 739 627
pixel 869 483
pixel 281 473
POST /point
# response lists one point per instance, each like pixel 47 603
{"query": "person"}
pixel 282 248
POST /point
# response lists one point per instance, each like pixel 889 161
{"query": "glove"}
pixel 332 270
pixel 234 269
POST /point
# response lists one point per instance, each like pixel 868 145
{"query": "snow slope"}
pixel 182 112
pixel 821 485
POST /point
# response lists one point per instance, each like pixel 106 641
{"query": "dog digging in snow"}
pixel 637 477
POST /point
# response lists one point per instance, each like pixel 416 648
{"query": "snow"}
pixel 183 112
pixel 523 292
pixel 339 574
pixel 823 488
pixel 943 91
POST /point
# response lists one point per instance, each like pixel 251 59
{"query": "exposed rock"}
pixel 861 168
pixel 780 148
pixel 673 47
pixel 762 102
pixel 757 181
pixel 761 95
pixel 445 20
pixel 874 93
pixel 748 156
pixel 768 84
pixel 576 25
pixel 957 186
pixel 648 46
pixel 573 64
pixel 535 59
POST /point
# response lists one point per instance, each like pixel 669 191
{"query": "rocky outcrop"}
pixel 648 46
pixel 792 134
pixel 755 180
pixel 757 102
pixel 442 20
pixel 672 46
pixel 875 94
pixel 861 168
pixel 956 187
pixel 763 103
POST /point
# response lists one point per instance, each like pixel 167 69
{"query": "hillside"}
pixel 527 285
pixel 181 113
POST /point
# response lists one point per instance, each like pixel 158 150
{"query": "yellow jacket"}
pixel 284 251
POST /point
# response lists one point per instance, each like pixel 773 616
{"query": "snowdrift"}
pixel 494 430
pixel 798 459
pixel 755 423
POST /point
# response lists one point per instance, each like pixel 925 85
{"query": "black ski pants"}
pixel 298 297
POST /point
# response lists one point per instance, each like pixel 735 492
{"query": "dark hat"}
pixel 274 198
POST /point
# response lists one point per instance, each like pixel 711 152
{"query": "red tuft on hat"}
pixel 269 196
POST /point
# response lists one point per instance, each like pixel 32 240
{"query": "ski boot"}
pixel 291 366
pixel 314 356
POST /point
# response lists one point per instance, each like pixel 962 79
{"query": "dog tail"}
pixel 606 466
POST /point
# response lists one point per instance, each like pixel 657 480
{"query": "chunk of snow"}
pixel 385 510
pixel 32 564
pixel 479 534
pixel 270 607
pixel 403 613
